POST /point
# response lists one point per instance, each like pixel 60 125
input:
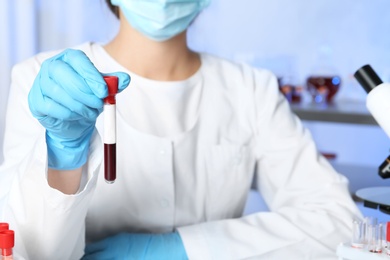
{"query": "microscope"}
pixel 368 239
pixel 378 104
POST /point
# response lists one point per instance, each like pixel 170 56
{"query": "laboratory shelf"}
pixel 353 112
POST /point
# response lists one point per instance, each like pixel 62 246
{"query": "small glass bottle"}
pixel 323 81
pixel 374 238
pixel 290 89
pixel 358 234
pixel 7 242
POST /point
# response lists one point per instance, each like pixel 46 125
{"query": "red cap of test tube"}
pixel 7 242
pixel 112 84
pixel 388 231
pixel 4 226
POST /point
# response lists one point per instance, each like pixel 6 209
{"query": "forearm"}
pixel 66 181
pixel 42 215
pixel 268 235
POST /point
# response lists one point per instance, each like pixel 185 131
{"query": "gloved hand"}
pixel 168 246
pixel 66 98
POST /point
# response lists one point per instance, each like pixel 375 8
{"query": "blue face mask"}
pixel 160 20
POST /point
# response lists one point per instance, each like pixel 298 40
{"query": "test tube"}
pixel 388 238
pixel 374 236
pixel 7 242
pixel 109 136
pixel 369 221
pixel 358 234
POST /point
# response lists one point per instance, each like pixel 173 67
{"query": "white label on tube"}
pixel 109 124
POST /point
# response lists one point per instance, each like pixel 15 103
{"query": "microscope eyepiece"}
pixel 367 78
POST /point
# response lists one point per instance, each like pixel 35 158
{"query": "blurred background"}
pixel 295 39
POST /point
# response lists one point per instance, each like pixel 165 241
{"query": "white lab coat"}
pixel 197 181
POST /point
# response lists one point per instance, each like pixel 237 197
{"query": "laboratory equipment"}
pixel 109 137
pixel 378 103
pixel 358 234
pixel 370 241
pixel 7 242
pixel 290 89
pixel 323 81
pixel 378 96
pixel 323 88
pixel 376 243
pixel 388 239
pixel 4 226
pixel 374 238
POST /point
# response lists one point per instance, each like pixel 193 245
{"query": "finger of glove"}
pixel 71 82
pixel 123 79
pixel 74 104
pixel 83 66
pixel 42 107
pixel 96 247
pixel 100 256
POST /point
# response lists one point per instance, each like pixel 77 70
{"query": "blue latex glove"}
pixel 66 98
pixel 167 246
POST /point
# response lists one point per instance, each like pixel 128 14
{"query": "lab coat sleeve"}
pixel 311 210
pixel 48 224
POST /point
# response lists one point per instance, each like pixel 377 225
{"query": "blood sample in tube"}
pixel 109 137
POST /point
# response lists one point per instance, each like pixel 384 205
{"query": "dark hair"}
pixel 114 9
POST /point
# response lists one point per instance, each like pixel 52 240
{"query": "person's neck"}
pixel 170 60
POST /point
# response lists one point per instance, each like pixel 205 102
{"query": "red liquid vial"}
pixel 291 91
pixel 323 88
